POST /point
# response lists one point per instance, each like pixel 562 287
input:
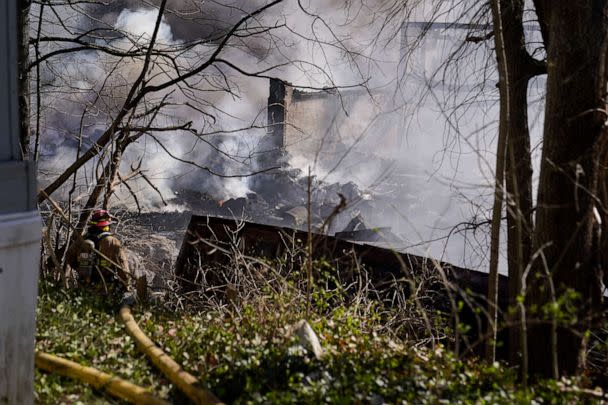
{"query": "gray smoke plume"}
pixel 434 174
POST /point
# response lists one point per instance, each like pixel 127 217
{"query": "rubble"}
pixel 355 224
pixel 357 230
pixel 152 252
pixel 281 199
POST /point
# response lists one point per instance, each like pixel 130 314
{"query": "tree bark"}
pixel 499 176
pixel 103 182
pixel 566 232
pixel 515 68
pixel 24 78
pixel 518 160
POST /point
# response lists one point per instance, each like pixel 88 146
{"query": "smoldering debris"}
pixel 281 199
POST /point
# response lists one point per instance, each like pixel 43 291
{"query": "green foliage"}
pixel 248 355
pixel 82 327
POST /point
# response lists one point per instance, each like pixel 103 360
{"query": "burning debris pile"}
pixel 281 199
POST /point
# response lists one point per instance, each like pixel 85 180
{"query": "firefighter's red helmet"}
pixel 101 218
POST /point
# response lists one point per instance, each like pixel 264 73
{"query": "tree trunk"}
pixel 104 181
pixel 518 159
pixel 499 176
pixel 24 81
pixel 515 67
pixel 574 134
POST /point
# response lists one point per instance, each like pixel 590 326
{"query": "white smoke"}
pixel 140 23
pixel 442 160
pixel 103 80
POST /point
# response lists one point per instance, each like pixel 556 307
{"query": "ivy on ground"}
pixel 249 356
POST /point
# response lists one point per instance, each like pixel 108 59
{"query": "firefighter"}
pixel 99 259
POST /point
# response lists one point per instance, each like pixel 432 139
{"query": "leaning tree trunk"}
pixel 566 232
pixel 103 182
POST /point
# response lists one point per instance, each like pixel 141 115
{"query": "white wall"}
pixel 19 263
pixel 19 233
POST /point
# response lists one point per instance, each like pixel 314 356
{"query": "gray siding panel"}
pixel 9 129
pixel 19 231
pixel 17 186
pixel 17 178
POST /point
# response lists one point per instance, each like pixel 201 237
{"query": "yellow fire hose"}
pixel 98 379
pixel 186 382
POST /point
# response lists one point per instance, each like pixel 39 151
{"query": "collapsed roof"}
pixel 212 239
